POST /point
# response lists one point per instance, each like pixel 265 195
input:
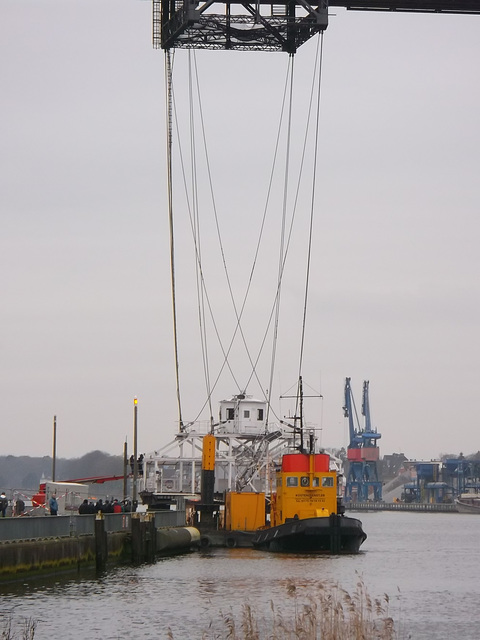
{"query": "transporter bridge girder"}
pixel 265 26
pixel 261 26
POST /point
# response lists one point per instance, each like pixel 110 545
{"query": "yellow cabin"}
pixel 306 488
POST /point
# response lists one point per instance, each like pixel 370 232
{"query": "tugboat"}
pixel 307 514
pixel 305 508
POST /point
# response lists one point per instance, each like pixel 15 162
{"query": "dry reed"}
pixel 326 612
pixel 27 631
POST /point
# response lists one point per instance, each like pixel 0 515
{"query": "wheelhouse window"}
pixel 304 481
pixel 327 482
pixel 259 414
pixel 316 482
pixel 230 413
pixel 292 481
pixel 246 413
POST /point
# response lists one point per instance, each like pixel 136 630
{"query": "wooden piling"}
pixel 101 548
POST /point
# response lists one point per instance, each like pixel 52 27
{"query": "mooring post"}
pixel 101 549
pixel 150 538
pixel 137 540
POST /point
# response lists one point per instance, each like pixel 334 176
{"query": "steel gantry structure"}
pixel 283 25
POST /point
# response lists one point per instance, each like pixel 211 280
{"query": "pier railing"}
pixel 34 528
pixel 38 527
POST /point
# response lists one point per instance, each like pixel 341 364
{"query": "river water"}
pixel 427 563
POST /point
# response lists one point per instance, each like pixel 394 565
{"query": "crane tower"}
pixel 362 453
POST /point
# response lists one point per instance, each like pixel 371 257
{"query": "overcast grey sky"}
pixel 85 309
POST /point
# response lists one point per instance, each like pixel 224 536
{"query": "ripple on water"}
pixel 426 563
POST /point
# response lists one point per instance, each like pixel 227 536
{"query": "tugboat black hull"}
pixel 333 534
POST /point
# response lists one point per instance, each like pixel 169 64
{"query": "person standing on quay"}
pixel 3 504
pixel 83 508
pixel 53 504
pixel 19 507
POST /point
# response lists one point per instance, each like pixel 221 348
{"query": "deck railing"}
pixel 401 506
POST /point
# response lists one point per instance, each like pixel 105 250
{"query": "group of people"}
pixel 139 464
pixel 18 507
pixel 109 506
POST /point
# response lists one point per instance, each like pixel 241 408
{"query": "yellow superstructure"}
pixel 306 488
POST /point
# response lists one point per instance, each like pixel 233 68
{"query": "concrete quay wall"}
pixel 52 555
pixel 68 544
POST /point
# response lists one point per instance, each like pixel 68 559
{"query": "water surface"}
pixel 426 562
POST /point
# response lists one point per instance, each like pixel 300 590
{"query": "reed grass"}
pixel 325 612
pixel 26 631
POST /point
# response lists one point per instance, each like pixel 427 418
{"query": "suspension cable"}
pixel 287 245
pixel 312 209
pixel 193 209
pixel 238 314
pixel 282 236
pixel 202 295
pixel 168 93
pixel 300 175
pixel 197 237
pixel 222 251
